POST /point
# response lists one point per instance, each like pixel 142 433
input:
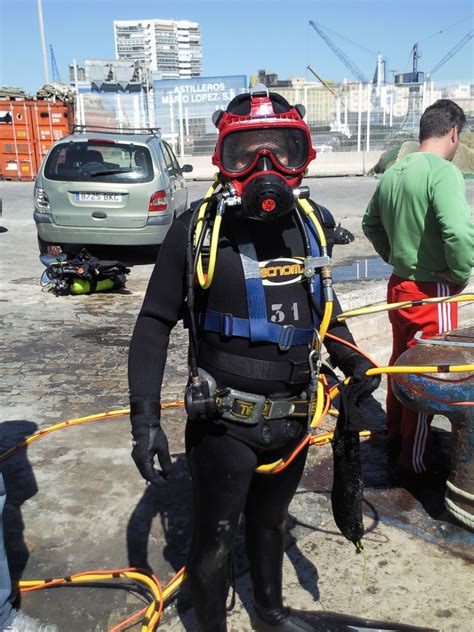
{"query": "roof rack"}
pixel 83 129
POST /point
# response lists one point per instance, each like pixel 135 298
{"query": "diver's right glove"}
pixel 149 441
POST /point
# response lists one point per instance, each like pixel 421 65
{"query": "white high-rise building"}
pixel 170 47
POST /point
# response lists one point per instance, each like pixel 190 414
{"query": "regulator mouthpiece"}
pixel 267 197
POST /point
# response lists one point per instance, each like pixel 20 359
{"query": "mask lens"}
pixel 288 146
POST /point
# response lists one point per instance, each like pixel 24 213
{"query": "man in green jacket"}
pixel 418 220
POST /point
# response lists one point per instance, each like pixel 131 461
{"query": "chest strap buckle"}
pixel 286 337
pixel 278 409
pixel 227 325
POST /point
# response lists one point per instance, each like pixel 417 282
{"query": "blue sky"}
pixel 240 37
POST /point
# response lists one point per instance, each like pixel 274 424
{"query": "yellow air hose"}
pixel 205 280
pixel 381 307
pixel 154 609
pixel 450 368
pixel 325 270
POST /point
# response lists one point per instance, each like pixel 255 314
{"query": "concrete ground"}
pixel 76 501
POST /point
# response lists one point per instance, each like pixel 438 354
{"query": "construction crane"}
pixel 54 66
pixel 416 54
pixel 325 84
pixel 452 52
pixel 356 72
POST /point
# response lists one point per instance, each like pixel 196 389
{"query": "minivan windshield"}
pixel 96 161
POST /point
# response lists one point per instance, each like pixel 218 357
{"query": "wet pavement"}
pixel 76 501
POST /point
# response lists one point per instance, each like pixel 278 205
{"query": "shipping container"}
pixel 28 128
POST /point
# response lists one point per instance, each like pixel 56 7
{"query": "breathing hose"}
pixel 382 307
pixel 325 270
pixel 151 614
pixel 205 280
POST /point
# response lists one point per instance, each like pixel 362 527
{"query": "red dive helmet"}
pixel 263 149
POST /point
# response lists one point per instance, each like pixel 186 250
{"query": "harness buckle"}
pixel 227 326
pixel 286 337
pixel 314 359
pixel 279 409
pixel 250 406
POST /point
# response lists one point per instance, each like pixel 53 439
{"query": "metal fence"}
pixel 349 117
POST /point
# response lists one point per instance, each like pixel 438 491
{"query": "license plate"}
pixel 98 197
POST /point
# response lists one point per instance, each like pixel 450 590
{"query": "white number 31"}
pixel 278 316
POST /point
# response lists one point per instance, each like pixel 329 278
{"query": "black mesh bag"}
pixel 348 487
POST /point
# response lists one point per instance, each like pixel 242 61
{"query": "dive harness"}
pixel 202 398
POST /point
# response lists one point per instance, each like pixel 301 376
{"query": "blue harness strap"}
pixel 314 284
pixel 256 304
pixel 256 327
pixel 229 325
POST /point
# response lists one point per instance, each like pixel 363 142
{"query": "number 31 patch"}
pixel 280 314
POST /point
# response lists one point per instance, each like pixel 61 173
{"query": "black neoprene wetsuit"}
pixel 223 456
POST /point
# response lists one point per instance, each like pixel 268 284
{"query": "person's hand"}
pixel 368 383
pixel 342 235
pixel 149 441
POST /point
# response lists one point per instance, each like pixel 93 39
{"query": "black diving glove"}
pixel 342 235
pixel 149 440
pixel 355 367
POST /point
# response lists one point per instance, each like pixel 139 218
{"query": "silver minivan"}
pixel 108 188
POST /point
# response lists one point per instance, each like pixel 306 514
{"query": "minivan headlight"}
pixel 42 200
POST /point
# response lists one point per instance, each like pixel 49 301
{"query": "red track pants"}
pixel 407 427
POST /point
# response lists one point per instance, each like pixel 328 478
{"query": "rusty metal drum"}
pixel 449 394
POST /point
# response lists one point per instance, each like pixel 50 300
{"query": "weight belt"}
pixel 250 408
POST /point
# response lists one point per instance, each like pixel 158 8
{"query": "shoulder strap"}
pixel 314 286
pixel 256 304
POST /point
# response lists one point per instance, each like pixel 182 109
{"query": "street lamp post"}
pixel 43 43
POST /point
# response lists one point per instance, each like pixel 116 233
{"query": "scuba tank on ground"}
pixel 83 274
pixel 83 286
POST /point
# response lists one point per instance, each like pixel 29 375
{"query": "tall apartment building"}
pixel 170 47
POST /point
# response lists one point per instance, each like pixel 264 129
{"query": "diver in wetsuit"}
pixel 251 331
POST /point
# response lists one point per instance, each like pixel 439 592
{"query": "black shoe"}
pixel 393 450
pixel 289 620
pixel 276 620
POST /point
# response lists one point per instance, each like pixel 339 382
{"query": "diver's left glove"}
pixel 342 235
pixel 355 366
pixel 149 440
